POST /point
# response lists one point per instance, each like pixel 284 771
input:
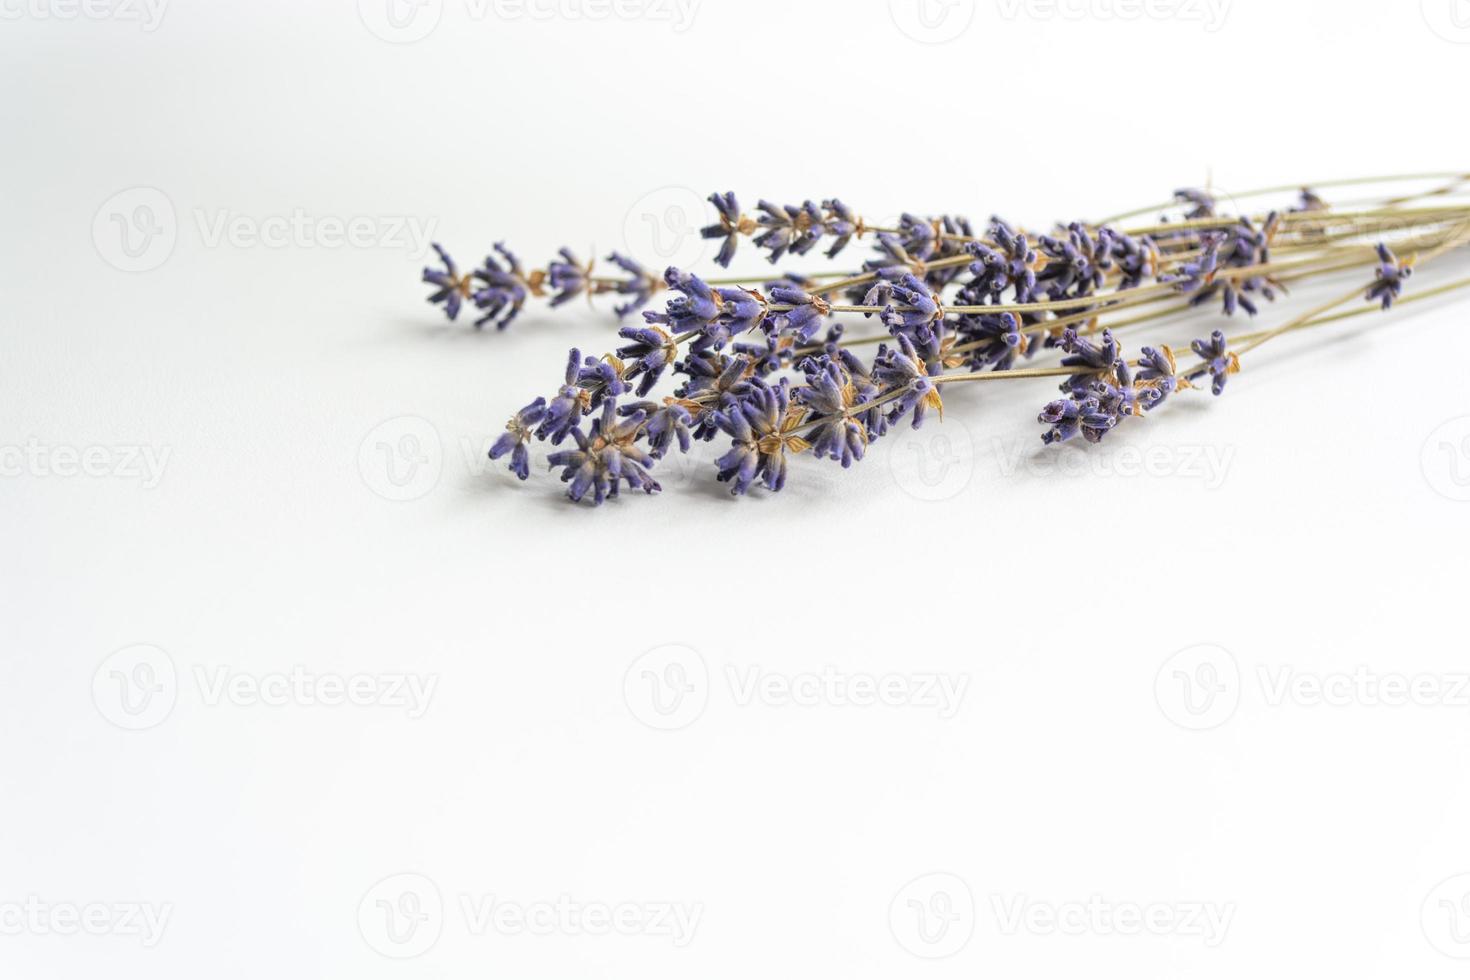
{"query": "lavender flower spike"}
pixel 1221 361
pixel 729 228
pixel 505 288
pixel 518 432
pixel 453 289
pixel 608 456
pixel 569 277
pixel 1389 282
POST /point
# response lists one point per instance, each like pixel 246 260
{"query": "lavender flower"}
pixel 729 228
pixel 805 317
pixel 999 336
pixel 763 426
pixel 640 284
pixel 1158 371
pixel 664 424
pixel 606 457
pixel 569 277
pixel 651 351
pixel 566 408
pixel 1072 267
pixel 1221 361
pixel 1094 359
pixel 830 393
pixel 1068 417
pixel 788 227
pixel 921 308
pixel 453 289
pixel 1389 281
pixel 518 432
pixel 1202 203
pixel 505 289
pixel 901 372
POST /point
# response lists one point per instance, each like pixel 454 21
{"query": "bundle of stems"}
pixel 775 365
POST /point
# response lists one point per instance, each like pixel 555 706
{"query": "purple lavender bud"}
pixel 1203 203
pixel 453 289
pixel 728 228
pixel 805 319
pixel 762 427
pixel 901 369
pixel 505 289
pixel 569 277
pixel 1094 359
pixel 1068 417
pixel 1389 280
pixel 664 425
pixel 607 456
pixel 1221 361
pixel 519 431
pixel 829 393
pixel 566 408
pixel 651 351
pixel 640 284
pixel 600 380
pixel 922 307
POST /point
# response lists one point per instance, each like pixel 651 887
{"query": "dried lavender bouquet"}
pixel 772 371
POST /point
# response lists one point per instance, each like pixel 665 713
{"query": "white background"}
pixel 272 378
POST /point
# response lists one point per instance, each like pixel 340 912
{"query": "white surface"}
pixel 261 372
